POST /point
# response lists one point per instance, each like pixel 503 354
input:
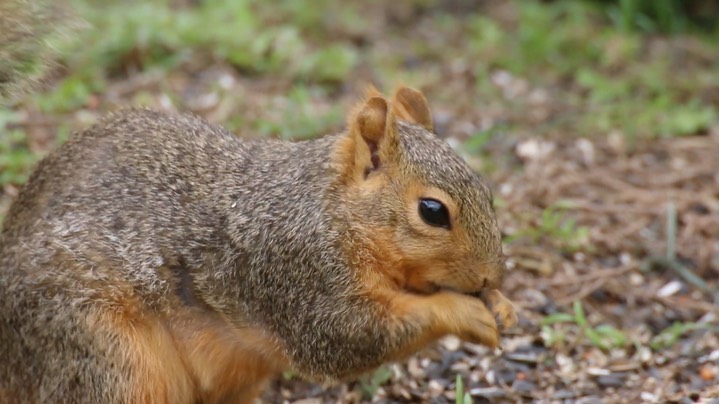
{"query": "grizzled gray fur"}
pixel 144 190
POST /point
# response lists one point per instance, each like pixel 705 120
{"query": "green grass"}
pixel 555 228
pixel 141 35
pixel 665 16
pixel 608 79
pixel 370 383
pixel 604 77
pixel 574 328
pixel 558 328
pixel 461 397
pixel 298 118
pixel 16 160
pixel 670 335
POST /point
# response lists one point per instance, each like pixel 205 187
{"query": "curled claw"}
pixel 501 307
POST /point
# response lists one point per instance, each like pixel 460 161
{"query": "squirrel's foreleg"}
pixel 437 315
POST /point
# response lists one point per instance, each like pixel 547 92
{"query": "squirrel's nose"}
pixel 493 274
pixel 492 283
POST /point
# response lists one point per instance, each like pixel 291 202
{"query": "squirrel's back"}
pixel 148 212
pixel 140 184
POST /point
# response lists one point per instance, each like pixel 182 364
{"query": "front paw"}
pixel 466 317
pixel 501 307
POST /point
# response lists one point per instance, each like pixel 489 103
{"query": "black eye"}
pixel 434 212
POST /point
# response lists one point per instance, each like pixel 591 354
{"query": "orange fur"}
pixel 400 271
pixel 436 315
pixel 502 307
pixel 229 364
pixel 369 93
pixel 411 106
pixel 371 121
pixel 372 131
pixel 192 356
pixel 158 374
pixel 389 282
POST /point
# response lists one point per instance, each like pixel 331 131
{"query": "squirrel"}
pixel 157 257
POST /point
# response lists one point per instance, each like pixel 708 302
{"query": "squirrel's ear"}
pixel 410 105
pixel 372 120
pixel 374 132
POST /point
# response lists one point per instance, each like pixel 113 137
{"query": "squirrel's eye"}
pixel 434 213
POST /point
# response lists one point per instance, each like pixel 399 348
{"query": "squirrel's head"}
pixel 426 216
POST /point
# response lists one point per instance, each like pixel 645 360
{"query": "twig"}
pixel 673 302
pixel 606 208
pixel 583 292
pixel 671 231
pixel 687 274
pixel 591 277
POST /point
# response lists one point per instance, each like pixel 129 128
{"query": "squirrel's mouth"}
pixel 473 292
pixel 481 291
pixel 426 289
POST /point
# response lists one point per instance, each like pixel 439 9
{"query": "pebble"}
pixel 491 377
pixel 505 376
pixel 611 380
pixel 435 388
pixel 589 400
pixel 487 392
pixel 624 366
pixel 707 373
pixel 308 401
pixel 415 370
pixel 451 343
pixel 476 349
pixel 460 367
pixel 712 357
pixel 523 386
pixel 563 395
pixel 534 149
pixel 670 289
pixel 598 372
pixel 524 357
pixel 647 396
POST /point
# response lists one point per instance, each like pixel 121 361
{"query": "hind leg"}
pixel 81 353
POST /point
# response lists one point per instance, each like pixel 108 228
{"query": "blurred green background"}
pixel 580 68
pixel 645 68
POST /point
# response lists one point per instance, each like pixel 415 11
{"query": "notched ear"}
pixel 372 128
pixel 375 135
pixel 410 105
pixel 372 120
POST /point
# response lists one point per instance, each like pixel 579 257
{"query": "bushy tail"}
pixel 27 28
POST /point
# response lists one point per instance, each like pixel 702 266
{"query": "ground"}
pixel 601 145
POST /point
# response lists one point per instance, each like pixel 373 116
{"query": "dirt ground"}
pixel 613 242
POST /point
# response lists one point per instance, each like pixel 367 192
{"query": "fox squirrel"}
pixel 156 257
